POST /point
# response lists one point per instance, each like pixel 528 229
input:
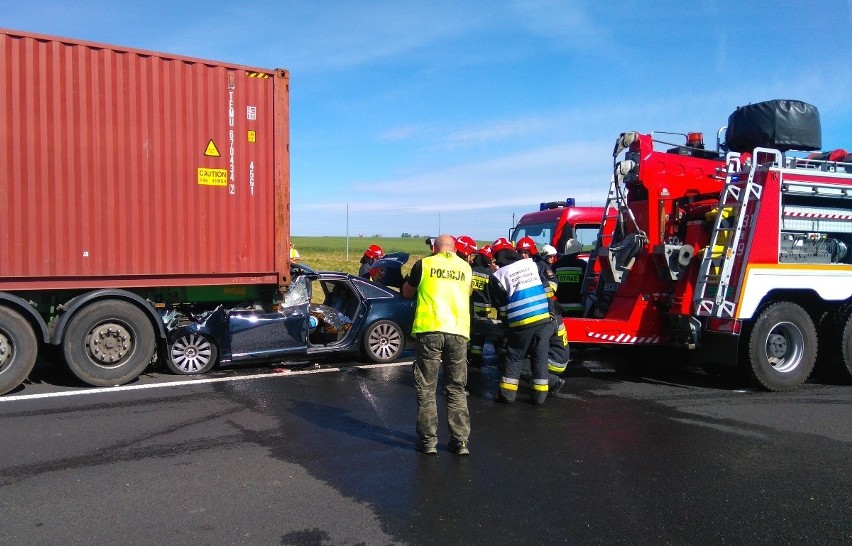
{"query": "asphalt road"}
pixel 325 455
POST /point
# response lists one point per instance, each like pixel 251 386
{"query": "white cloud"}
pixel 519 179
pixel 568 23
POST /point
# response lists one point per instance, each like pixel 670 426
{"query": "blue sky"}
pixel 459 116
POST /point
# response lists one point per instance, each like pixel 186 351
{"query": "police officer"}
pixel 442 285
pixel 518 293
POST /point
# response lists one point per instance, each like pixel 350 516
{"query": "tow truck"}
pixel 739 254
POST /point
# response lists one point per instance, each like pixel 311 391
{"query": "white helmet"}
pixel 547 251
pixel 572 246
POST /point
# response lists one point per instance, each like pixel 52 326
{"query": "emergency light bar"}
pixel 569 202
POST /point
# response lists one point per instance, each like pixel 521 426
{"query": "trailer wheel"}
pixel 18 348
pixel 782 347
pixel 110 342
pixel 383 341
pixel 190 354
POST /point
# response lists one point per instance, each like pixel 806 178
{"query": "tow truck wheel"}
pixel 109 342
pixel 782 347
pixel 383 341
pixel 191 353
pixel 846 348
pixel 18 347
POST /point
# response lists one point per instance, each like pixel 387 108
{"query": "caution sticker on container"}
pixel 212 150
pixel 252 136
pixel 212 177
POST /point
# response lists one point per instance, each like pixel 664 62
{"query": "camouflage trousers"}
pixel 433 348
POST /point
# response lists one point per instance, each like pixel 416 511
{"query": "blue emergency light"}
pixel 569 202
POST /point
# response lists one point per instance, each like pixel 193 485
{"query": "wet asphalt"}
pixel 325 455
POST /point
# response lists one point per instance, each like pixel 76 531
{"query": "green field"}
pixel 329 253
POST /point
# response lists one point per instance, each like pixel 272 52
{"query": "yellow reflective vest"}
pixel 443 296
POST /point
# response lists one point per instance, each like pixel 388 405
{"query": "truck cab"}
pixel 557 221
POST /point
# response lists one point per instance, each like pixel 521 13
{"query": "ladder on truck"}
pixel 725 240
pixel 600 296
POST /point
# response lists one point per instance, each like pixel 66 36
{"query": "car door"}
pixel 266 335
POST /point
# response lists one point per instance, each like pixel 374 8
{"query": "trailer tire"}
pixel 18 349
pixel 109 342
pixel 782 347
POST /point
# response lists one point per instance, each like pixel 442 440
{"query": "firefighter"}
pixel 442 285
pixel 465 248
pixel 518 293
pixel 373 253
pixel 480 302
pixel 569 271
pixel 527 248
pixel 548 258
pixel 294 254
pixel 557 355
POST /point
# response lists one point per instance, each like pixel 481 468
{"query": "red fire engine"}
pixel 557 221
pixel 742 255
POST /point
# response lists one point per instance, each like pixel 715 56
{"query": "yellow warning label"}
pixel 235 290
pixel 212 177
pixel 212 150
pixel 252 137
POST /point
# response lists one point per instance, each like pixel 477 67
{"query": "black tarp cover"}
pixel 780 124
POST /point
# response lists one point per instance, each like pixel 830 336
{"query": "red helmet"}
pixel 465 245
pixel 527 243
pixel 486 251
pixel 374 252
pixel 501 244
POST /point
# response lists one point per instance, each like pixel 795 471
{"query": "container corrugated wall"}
pixel 130 168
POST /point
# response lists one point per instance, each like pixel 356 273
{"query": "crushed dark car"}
pixel 323 314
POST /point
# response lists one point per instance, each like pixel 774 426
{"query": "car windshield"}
pixel 586 234
pixel 298 294
pixel 542 234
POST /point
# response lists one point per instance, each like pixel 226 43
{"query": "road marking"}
pixel 283 373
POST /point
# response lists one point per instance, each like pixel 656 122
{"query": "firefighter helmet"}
pixel 547 251
pixel 501 244
pixel 465 246
pixel 572 246
pixel 374 252
pixel 527 243
pixel 486 251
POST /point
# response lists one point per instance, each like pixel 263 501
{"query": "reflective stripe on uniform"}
pixel 555 367
pixel 508 383
pixel 540 385
pixel 527 303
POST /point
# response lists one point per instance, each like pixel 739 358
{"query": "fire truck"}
pixel 740 254
pixel 557 221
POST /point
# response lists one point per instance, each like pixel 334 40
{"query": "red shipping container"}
pixel 130 168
